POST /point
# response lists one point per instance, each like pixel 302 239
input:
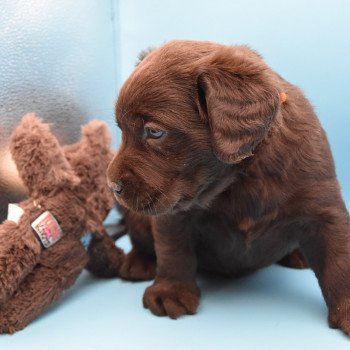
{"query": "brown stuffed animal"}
pixel 42 254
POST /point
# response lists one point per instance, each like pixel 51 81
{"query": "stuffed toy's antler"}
pixel 90 162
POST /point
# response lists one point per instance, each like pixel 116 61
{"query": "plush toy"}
pixel 41 251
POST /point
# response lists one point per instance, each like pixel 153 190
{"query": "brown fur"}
pixel 243 176
pixel 70 183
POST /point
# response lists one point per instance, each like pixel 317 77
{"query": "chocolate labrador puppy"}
pixel 224 167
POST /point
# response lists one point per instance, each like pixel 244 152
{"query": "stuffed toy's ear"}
pixel 39 158
pixel 96 134
pixel 143 54
pixel 237 97
pixel 90 161
pixel 91 158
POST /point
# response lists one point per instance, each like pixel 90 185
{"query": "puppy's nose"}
pixel 117 187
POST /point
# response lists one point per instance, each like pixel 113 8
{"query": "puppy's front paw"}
pixel 339 317
pixel 138 266
pixel 172 298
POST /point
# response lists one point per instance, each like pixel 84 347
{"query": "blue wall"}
pixel 57 58
pixel 307 42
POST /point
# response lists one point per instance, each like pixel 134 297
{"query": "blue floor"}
pixel 276 308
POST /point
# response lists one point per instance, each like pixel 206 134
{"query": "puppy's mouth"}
pixel 152 205
pixel 145 204
pixel 158 202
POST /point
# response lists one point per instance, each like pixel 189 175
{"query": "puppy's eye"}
pixel 154 133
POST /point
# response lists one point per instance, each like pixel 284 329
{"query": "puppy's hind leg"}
pixel 327 249
pixel 105 257
pixel 294 260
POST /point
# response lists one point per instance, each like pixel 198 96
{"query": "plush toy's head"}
pixel 51 181
pixel 68 181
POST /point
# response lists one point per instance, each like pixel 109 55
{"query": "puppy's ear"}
pixel 142 55
pixel 238 98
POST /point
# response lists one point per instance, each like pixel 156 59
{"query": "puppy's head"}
pixel 189 113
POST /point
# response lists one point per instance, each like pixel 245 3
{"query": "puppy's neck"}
pixel 225 178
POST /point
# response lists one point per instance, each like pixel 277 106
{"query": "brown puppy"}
pixel 225 166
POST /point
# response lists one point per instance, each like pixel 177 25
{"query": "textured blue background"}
pixel 77 54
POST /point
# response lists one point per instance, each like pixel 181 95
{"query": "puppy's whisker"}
pixel 124 113
pixel 148 204
pixel 160 191
pixel 151 204
pixel 149 209
pixel 133 198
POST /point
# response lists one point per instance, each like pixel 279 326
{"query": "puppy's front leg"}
pixel 174 292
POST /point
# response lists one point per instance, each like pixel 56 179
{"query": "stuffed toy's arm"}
pixel 105 258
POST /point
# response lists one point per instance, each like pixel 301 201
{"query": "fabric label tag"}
pixel 14 213
pixel 47 229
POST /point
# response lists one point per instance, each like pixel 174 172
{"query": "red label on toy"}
pixel 47 229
